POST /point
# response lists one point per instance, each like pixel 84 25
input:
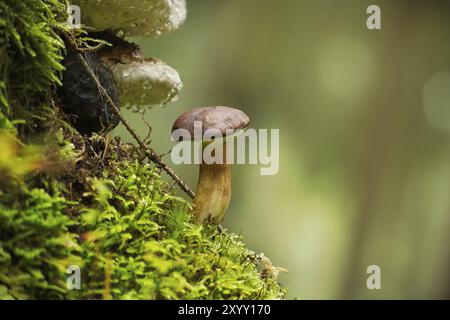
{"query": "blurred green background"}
pixel 364 119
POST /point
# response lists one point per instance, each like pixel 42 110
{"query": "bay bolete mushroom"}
pixel 214 183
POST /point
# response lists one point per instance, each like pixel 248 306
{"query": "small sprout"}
pixel 268 270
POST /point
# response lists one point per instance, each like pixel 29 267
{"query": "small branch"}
pixel 150 129
pixel 151 155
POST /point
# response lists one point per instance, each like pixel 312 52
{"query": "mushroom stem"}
pixel 213 193
pixel 213 190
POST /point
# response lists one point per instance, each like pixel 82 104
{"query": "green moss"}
pixel 34 244
pixel 153 250
pixel 134 240
pixel 91 202
pixel 30 49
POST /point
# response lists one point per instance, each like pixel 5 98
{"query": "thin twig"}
pixel 150 129
pixel 151 155
pixel 165 154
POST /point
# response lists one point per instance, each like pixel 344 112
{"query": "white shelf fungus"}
pixel 133 17
pixel 142 82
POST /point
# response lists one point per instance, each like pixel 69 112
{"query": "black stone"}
pixel 87 111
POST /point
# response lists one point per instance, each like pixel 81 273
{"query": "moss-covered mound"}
pixel 93 202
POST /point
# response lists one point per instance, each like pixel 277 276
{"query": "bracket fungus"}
pixel 133 17
pixel 214 184
pixel 137 81
pixel 131 80
pixel 141 81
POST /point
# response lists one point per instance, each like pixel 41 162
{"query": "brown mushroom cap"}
pixel 212 118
